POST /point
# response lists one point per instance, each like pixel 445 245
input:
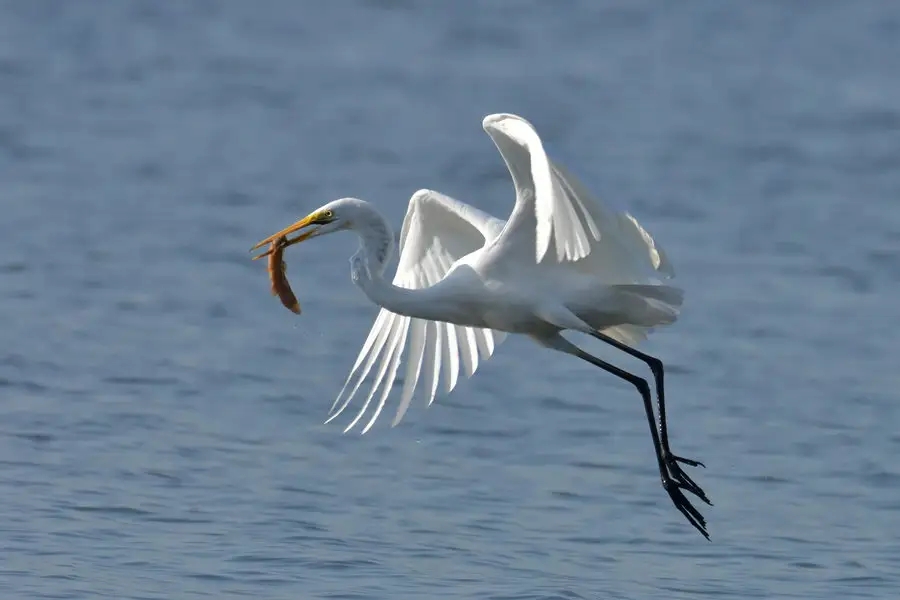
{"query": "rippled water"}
pixel 161 418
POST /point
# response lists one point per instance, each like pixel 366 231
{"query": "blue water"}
pixel 161 414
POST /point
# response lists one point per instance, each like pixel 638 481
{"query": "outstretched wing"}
pixel 437 231
pixel 623 246
pixel 565 213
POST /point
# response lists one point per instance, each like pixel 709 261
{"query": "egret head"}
pixel 337 215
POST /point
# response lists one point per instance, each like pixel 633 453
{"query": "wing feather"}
pixel 608 243
pixel 434 348
pixel 373 353
pixel 468 349
pixel 417 341
pixel 386 360
pixel 619 233
pixel 451 356
pixel 392 373
pixel 377 331
pixel 437 231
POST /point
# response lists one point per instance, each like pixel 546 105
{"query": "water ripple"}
pixel 162 429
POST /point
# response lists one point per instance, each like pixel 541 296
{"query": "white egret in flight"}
pixel 561 262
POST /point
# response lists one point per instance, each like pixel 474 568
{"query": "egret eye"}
pixel 328 214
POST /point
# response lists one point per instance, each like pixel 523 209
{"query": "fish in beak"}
pixel 314 220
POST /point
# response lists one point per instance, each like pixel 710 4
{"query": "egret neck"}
pixel 367 265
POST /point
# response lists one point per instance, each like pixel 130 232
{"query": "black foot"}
pixel 684 480
pixel 677 481
pixel 683 504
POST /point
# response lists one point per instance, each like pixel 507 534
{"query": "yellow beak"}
pixel 301 224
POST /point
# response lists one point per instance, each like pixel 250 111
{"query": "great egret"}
pixel 465 279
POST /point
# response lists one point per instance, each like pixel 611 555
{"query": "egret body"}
pixel 562 261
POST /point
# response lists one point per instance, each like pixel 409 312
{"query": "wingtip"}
pixel 422 193
pixel 489 120
pixel 492 119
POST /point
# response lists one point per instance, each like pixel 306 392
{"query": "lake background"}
pixel 161 415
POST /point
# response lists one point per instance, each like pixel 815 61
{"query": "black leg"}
pixel 670 483
pixel 656 367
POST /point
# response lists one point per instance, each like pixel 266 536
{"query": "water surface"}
pixel 161 426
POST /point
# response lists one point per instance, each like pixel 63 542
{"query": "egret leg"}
pixel 670 483
pixel 671 460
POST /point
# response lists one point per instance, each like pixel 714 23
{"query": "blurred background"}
pixel 161 415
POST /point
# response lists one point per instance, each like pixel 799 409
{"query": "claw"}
pixel 689 484
pixel 685 507
pixel 688 461
pixel 683 479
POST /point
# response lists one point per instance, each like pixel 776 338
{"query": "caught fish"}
pixel 278 277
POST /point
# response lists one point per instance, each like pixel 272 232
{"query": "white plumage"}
pixel 437 232
pixel 465 279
